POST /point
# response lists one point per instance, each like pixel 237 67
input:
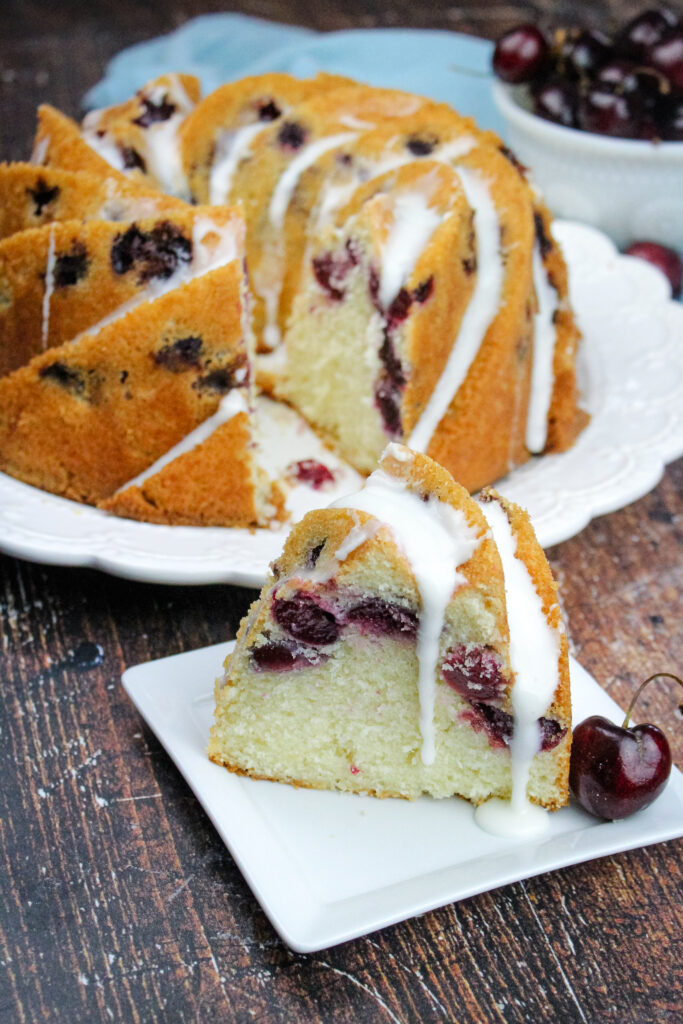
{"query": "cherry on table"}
pixel 614 770
pixel 665 259
pixel 520 54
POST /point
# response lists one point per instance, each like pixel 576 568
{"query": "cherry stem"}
pixel 657 675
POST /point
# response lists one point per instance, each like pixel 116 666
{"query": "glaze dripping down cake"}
pixel 397 280
pixel 408 641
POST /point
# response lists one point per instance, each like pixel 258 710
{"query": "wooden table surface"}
pixel 118 901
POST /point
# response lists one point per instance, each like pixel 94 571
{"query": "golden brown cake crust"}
pixel 251 100
pixel 212 485
pixel 31 197
pixel 59 143
pixel 83 419
pixel 96 268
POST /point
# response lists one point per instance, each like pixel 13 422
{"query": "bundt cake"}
pixel 403 283
pixel 408 641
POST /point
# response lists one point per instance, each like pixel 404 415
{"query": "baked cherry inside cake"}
pixel 408 641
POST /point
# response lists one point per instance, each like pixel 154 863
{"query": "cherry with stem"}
pixel 614 770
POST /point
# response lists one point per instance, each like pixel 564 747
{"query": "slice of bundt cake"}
pixel 83 419
pixel 143 131
pixel 210 478
pixel 378 307
pixel 62 279
pixel 382 655
pixel 31 197
pixel 59 143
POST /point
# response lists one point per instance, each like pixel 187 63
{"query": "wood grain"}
pixel 117 899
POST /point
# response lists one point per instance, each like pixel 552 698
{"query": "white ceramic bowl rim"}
pixel 573 138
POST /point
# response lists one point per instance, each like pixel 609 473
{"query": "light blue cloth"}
pixel 222 47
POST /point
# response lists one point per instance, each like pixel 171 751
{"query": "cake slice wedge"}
pixel 379 657
pixel 62 279
pixel 83 419
pixel 210 478
pixel 31 197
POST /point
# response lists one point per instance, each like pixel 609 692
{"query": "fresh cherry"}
pixel 520 54
pixel 666 260
pixel 670 118
pixel 667 58
pixel 614 770
pixel 304 619
pixel 557 101
pixel 643 32
pixel 607 113
pixel 582 53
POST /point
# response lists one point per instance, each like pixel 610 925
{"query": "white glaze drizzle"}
pixel 435 538
pixel 232 404
pixel 336 196
pixel 164 160
pixel 356 536
pixel 413 225
pixel 358 125
pixel 119 208
pixel 271 299
pixel 480 312
pixel 268 279
pixel 103 145
pixel 544 350
pixel 226 245
pixel 534 657
pixel 282 194
pixel 49 287
pixel 231 148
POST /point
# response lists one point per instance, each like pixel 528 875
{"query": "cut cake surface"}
pixel 353 672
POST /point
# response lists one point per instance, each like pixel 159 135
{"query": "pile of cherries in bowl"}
pixel 629 85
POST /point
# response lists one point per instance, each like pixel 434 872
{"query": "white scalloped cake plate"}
pixel 632 381
pixel 327 867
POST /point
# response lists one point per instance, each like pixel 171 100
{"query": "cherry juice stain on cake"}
pixel 308 471
pixel 304 618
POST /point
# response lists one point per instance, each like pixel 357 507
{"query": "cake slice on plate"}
pixel 384 655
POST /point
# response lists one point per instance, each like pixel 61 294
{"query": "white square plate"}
pixel 328 867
